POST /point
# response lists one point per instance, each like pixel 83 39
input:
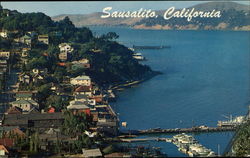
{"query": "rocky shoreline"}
pixel 129 84
pixel 221 26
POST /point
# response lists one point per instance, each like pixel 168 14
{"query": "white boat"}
pixel 232 122
pixel 138 56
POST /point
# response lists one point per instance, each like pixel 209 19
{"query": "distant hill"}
pixel 222 6
pixel 235 17
pixel 95 19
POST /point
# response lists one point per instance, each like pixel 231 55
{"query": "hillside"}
pixel 240 145
pixel 235 17
pixel 94 19
pixel 113 62
pixel 222 6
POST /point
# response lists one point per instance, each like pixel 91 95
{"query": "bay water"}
pixel 206 75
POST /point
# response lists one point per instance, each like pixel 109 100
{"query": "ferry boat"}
pixel 138 56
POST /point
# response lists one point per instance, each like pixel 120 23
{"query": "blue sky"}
pixel 78 7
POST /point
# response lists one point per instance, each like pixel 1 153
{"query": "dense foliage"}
pixel 241 146
pixel 114 63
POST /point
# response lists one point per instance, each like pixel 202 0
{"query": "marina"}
pixel 171 101
pixel 190 146
pixel 186 144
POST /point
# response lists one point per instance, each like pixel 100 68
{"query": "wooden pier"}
pixel 146 139
pixel 178 130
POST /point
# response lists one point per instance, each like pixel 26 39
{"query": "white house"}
pixel 65 47
pixel 81 80
pixel 43 39
pixel 3 151
pixel 4 34
pixel 25 105
pixel 5 54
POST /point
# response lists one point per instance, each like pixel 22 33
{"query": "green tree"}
pixel 56 101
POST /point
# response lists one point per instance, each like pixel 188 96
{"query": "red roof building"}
pixel 51 110
pixel 83 89
pixel 7 142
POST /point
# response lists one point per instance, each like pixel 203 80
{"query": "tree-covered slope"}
pixel 240 145
pixel 114 62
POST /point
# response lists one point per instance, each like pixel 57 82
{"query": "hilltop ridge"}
pixel 235 17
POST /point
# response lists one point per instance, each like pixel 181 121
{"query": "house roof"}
pixel 107 124
pixel 73 102
pixel 2 147
pixel 3 61
pixel 16 131
pixel 43 36
pixel 22 119
pixel 14 110
pixel 7 128
pixel 91 152
pixel 31 102
pixel 81 96
pixel 24 95
pixel 77 107
pixel 82 78
pixel 83 89
pixel 26 36
pixel 7 142
pixel 21 102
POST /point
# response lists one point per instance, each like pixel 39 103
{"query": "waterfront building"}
pixel 79 107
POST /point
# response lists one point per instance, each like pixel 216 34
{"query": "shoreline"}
pixel 135 27
pixel 132 83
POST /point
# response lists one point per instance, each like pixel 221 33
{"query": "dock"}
pixel 133 140
pixel 129 140
pixel 150 47
pixel 178 130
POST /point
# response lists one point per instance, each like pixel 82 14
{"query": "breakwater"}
pixel 178 130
